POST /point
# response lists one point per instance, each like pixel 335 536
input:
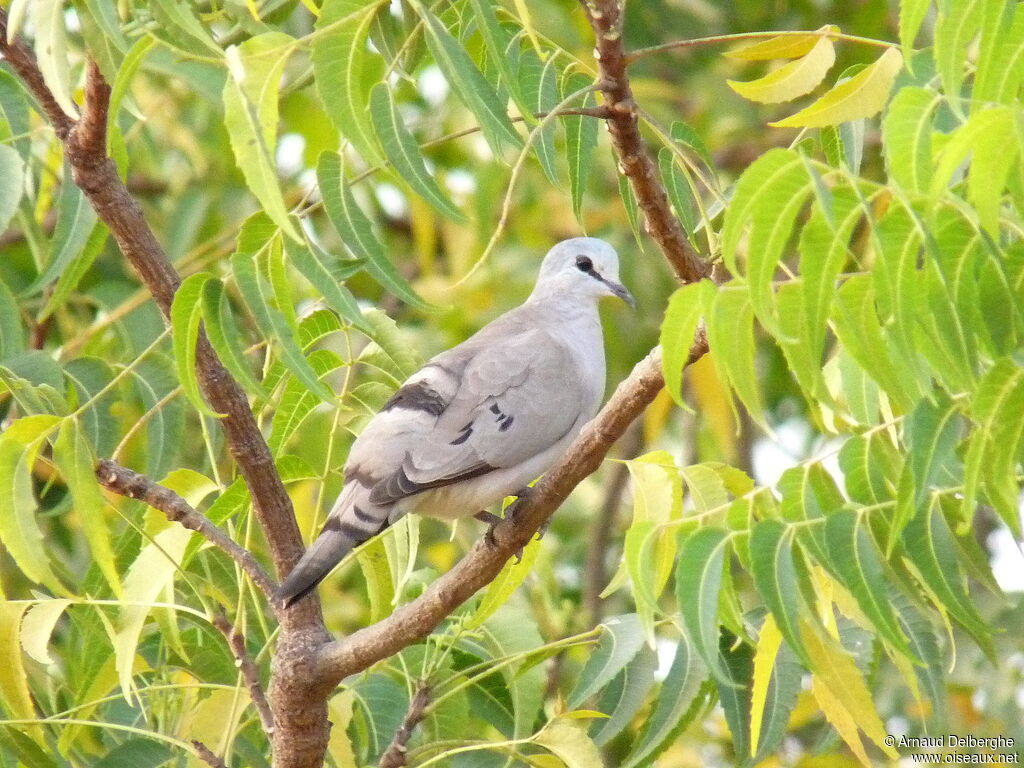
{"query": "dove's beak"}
pixel 620 290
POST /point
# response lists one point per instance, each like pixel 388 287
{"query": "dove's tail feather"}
pixel 348 526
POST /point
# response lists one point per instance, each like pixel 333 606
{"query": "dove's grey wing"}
pixel 506 399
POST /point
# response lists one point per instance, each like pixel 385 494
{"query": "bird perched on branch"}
pixel 479 422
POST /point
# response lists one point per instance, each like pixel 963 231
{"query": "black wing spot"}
pixel 495 409
pixel 466 432
pixel 506 423
pixel 363 516
pixel 419 396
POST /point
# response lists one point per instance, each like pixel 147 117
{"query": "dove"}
pixel 482 420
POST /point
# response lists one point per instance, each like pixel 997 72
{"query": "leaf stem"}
pixel 695 42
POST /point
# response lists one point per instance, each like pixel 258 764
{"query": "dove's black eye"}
pixel 584 264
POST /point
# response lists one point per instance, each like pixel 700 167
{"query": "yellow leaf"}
pixel 340 747
pixel 790 80
pixel 656 416
pixel 713 406
pixel 835 670
pixel 570 744
pixel 782 47
pixel 841 719
pixel 13 682
pixel 863 95
pixel 768 644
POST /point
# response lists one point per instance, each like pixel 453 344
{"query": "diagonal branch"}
pixel 416 620
pixel 635 161
pixel 132 485
pixel 397 752
pixel 250 672
pixel 96 174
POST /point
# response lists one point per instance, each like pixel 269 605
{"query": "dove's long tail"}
pixel 353 520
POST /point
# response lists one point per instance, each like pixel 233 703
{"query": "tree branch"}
pixel 207 755
pixel 635 162
pixel 250 672
pixel 395 755
pixel 415 620
pixel 132 485
pixel 95 173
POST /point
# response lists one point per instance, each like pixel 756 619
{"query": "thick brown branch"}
pixel 250 672
pixel 21 59
pixel 132 485
pixel 397 752
pixel 635 162
pixel 417 619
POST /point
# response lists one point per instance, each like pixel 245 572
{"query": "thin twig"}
pixel 250 672
pixel 695 42
pixel 635 161
pixel 397 752
pixel 207 756
pixel 132 485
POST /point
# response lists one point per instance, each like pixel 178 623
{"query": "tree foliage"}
pixel 349 186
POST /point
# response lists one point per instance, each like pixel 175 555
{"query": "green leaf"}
pixel 912 13
pixel 264 304
pixel 297 402
pixel 19 532
pixel 12 335
pixel 75 461
pixel 870 464
pixel 809 493
pixel 356 231
pixel 731 334
pixel 698 581
pixel 580 142
pixel 14 114
pixel 771 558
pixel 75 221
pixel 80 265
pixel 540 89
pixel 505 583
pixel 737 663
pixel 225 336
pixel 956 24
pixel 863 95
pixel 676 184
pixel 136 753
pixel 11 184
pixel 784 686
pixel 995 443
pixel 51 47
pixel 790 80
pixel 155 379
pixel 495 42
pixel 622 637
pixel 468 83
pixel 570 744
pixel 625 695
pixel 1000 72
pixel 321 268
pixel 681 318
pixel 186 312
pixel 907 137
pixel 856 558
pixel 403 153
pixel 679 700
pixel 251 116
pixel 345 71
pixel 14 690
pixel 929 545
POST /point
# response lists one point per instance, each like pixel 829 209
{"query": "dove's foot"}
pixel 492 520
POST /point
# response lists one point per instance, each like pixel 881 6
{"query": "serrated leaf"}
pixel 678 702
pixel 75 221
pixel 863 95
pixel 251 117
pixel 956 24
pixel 580 142
pixel 505 583
pixel 857 559
pixel 468 83
pixel 681 319
pixel 320 269
pixel 782 47
pixel 870 464
pixel 540 89
pixel 843 695
pixel 186 313
pixel 19 532
pixel 38 625
pixel 570 744
pixel 907 137
pixel 737 660
pixel 912 13
pixel 730 328
pixel 403 153
pixel 73 274
pixel 790 80
pixel 677 186
pixel 495 43
pixel 12 336
pixel 622 637
pixel 345 71
pixel 14 113
pixel 14 690
pixel 771 556
pixel 297 402
pixel 624 696
pixel 356 231
pixel 224 335
pixel 698 582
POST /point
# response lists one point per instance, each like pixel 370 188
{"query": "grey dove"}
pixel 481 421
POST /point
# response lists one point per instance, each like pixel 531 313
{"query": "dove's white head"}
pixel 581 268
